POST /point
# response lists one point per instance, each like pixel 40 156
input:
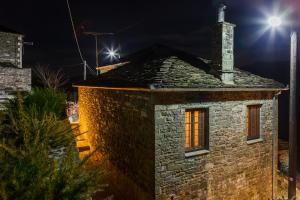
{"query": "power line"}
pixel 77 44
pixel 91 69
pixel 74 32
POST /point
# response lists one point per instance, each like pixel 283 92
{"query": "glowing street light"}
pixel 112 54
pixel 275 22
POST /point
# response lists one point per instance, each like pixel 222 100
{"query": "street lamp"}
pixel 112 54
pixel 275 22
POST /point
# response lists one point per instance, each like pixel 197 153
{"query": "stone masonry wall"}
pixel 223 55
pixel 232 169
pixel 122 121
pixel 223 50
pixel 12 79
pixel 11 48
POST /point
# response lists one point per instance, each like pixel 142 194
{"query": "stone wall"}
pixel 233 168
pixel 223 50
pixel 282 178
pixel 122 123
pixel 138 127
pixel 282 190
pixel 11 48
pixel 13 79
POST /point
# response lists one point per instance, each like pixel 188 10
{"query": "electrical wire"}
pixel 74 32
pixel 93 71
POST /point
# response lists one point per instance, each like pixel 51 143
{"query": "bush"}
pixel 31 134
pixel 43 101
pixel 28 120
pixel 31 174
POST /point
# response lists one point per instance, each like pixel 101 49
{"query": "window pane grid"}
pixel 195 131
pixel 202 129
pixel 196 128
pixel 187 129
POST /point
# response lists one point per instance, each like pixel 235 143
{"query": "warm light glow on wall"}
pixel 83 140
pixel 187 129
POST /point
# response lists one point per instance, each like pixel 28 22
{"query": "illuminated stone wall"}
pixel 122 121
pixel 11 45
pixel 223 50
pixel 232 169
pixel 144 137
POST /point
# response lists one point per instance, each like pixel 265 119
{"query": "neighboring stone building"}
pixel 13 77
pixel 175 126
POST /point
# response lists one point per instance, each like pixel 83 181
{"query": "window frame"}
pixel 206 129
pixel 248 118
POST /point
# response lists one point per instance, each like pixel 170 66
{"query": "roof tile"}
pixel 163 67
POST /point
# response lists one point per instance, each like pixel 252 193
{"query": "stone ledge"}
pixel 196 153
pixel 255 141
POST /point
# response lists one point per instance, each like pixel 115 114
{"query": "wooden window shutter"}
pixel 253 121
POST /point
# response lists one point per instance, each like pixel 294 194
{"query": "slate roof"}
pixel 8 30
pixel 161 67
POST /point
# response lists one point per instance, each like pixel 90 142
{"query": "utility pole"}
pixel 96 35
pixel 84 69
pixel 292 118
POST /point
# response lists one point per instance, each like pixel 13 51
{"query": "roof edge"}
pixel 186 89
pixel 218 89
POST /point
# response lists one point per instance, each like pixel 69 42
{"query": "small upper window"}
pixel 196 129
pixel 253 121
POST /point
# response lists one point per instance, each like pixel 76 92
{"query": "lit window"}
pixel 253 122
pixel 196 129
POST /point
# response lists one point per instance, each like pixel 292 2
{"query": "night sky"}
pixel 186 25
pixel 181 24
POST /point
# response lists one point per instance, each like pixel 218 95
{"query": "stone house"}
pixel 176 126
pixel 13 77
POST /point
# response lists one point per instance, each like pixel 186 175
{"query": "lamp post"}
pixel 292 173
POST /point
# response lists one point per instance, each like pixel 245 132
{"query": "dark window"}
pixel 196 129
pixel 253 122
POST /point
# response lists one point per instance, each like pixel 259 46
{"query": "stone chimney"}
pixel 223 40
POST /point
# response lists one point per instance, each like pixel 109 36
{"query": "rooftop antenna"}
pixel 97 35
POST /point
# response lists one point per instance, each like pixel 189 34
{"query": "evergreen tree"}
pixel 38 157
